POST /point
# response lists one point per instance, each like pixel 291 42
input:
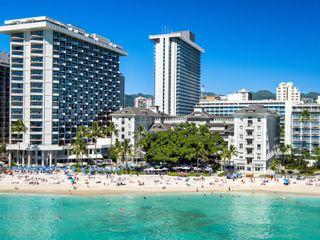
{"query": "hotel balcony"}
pixel 249 127
pixel 249 137
pixel 249 155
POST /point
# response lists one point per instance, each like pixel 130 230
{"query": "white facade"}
pixel 128 120
pixel 142 102
pixel 61 78
pixel 256 138
pixel 176 72
pixel 241 95
pixel 287 92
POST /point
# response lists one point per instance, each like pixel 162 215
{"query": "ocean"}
pixel 171 216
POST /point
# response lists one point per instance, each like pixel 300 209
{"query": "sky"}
pixel 251 44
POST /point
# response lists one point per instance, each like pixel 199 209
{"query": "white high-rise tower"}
pixel 62 77
pixel 176 72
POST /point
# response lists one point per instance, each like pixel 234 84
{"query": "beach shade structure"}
pixel 186 169
pixel 196 169
pixel 149 170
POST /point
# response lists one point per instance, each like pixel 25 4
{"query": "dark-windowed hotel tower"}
pixel 61 78
pixel 177 68
pixel 4 97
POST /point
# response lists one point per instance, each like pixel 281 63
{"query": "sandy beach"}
pixel 59 183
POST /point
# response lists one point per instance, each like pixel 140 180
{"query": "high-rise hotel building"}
pixel 4 97
pixel 176 72
pixel 61 78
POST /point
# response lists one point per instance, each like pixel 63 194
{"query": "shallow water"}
pixel 193 216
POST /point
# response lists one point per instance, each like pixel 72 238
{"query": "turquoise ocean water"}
pixel 193 216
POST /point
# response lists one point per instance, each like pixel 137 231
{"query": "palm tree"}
pixel 126 151
pixel 305 117
pixel 285 150
pixel 224 156
pixel 82 132
pixel 232 152
pixel 139 133
pixel 111 130
pixel 117 152
pixel 19 128
pixel 96 132
pixel 79 148
pixel 3 152
pixel 228 153
pixel 200 151
pixel 317 153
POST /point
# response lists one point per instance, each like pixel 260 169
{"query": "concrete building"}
pixel 122 90
pixel 62 77
pixel 287 92
pixel 256 138
pixel 142 102
pixel 128 120
pixel 176 72
pixel 241 95
pixel 228 108
pixel 305 133
pixel 4 97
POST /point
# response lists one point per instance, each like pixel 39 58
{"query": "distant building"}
pixel 4 57
pixel 122 90
pixel 142 102
pixel 212 98
pixel 242 95
pixel 287 92
pixel 318 100
pixel 176 72
pixel 4 97
pixel 256 138
pixel 307 100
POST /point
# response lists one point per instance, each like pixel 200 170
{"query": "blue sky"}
pixel 249 44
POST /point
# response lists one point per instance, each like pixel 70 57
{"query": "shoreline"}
pixel 99 185
pixel 119 192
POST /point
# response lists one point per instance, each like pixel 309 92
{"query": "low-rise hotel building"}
pixel 256 138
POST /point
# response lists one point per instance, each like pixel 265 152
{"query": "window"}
pixel 259 119
pixel 241 136
pixel 259 146
pixel 240 146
